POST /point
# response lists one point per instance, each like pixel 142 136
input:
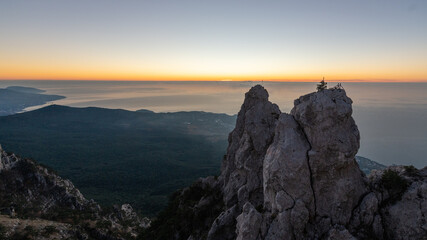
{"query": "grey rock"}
pixel 407 218
pixel 365 213
pixel 337 181
pixel 280 227
pixel 340 234
pixel 242 167
pixel 286 172
pixel 7 161
pixel 377 227
pixel 248 223
pixel 224 226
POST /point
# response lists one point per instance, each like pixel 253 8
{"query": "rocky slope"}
pixel 30 194
pixel 294 176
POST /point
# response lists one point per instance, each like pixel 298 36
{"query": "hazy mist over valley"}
pixel 390 116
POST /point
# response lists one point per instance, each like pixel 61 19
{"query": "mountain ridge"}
pixel 73 140
pixel 38 204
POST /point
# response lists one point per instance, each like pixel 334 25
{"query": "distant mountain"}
pixel 25 89
pixel 15 99
pixel 117 156
pixel 367 165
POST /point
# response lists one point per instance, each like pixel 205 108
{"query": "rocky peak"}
pixel 303 167
pixel 326 120
pixel 248 142
pixel 291 174
pixel 241 170
pixel 254 96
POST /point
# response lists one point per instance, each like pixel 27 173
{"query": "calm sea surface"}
pixel 391 117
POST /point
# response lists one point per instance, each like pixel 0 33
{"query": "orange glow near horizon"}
pixel 72 66
pixel 37 73
pixel 29 68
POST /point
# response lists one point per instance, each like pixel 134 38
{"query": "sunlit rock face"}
pixel 288 193
pixel 311 179
pixel 326 120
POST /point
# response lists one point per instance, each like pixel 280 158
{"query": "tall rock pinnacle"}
pixel 294 176
pixel 248 142
pixel 334 138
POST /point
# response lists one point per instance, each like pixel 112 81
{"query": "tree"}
pixel 322 85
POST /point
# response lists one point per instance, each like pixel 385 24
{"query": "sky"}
pixel 341 40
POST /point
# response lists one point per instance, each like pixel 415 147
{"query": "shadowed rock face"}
pixel 32 186
pixel 29 190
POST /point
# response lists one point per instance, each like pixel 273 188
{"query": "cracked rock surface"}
pixel 294 176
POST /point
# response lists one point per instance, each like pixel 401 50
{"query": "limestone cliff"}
pixel 294 176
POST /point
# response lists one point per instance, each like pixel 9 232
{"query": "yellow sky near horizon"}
pixel 38 71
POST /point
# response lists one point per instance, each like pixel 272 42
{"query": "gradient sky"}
pixel 363 40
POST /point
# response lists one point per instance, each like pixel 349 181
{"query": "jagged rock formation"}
pixel 254 131
pixel 29 190
pixel 294 176
pixel 31 186
pixel 305 161
pixel 241 171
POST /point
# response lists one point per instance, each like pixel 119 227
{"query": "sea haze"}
pixel 391 116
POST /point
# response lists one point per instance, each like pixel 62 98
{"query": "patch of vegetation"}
pixel 260 208
pixel 182 218
pixel 2 232
pixel 30 231
pixel 411 171
pixel 117 156
pixel 395 184
pixel 103 224
pixel 49 230
pixel 322 85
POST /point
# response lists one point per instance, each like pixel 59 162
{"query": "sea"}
pixel 391 117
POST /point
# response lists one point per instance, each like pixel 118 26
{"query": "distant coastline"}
pixel 16 99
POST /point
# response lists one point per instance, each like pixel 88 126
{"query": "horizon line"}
pixel 230 80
